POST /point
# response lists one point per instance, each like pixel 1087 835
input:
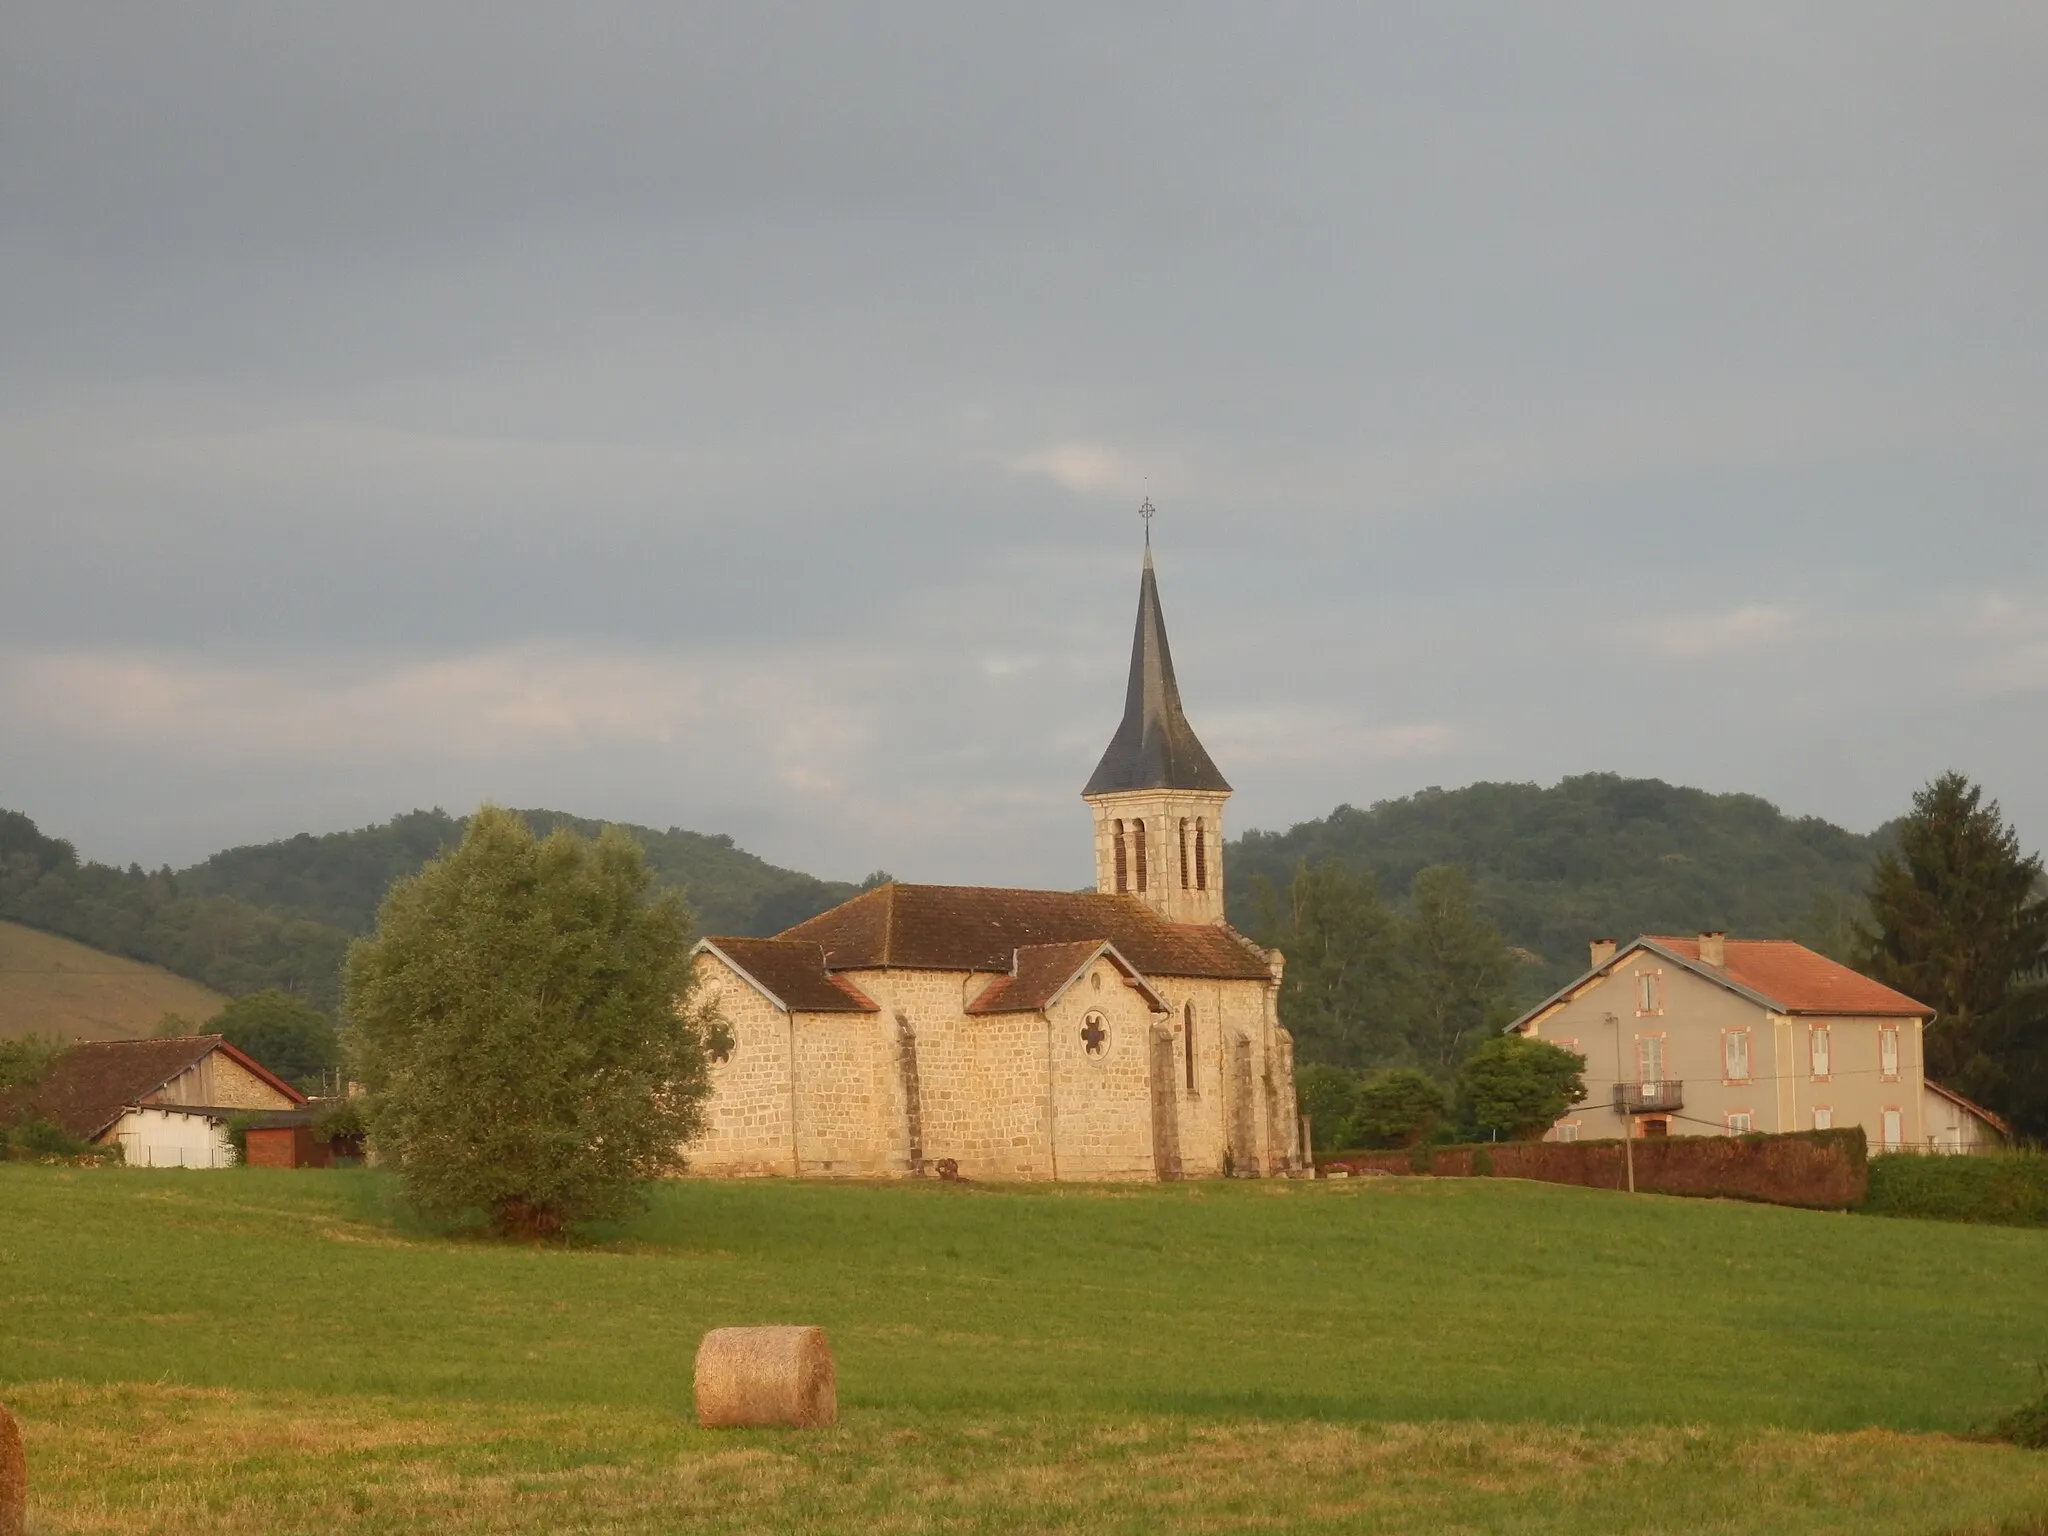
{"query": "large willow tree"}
pixel 521 1020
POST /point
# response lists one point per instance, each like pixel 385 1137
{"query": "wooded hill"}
pixel 1592 857
pixel 282 914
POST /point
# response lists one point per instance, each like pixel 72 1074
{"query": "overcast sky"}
pixel 734 417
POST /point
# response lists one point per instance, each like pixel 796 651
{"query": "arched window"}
pixel 1138 843
pixel 1187 1042
pixel 1183 853
pixel 1123 882
pixel 1201 856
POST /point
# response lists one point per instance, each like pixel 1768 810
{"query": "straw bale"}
pixel 13 1478
pixel 753 1378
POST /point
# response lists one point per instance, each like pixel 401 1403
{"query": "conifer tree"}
pixel 1958 922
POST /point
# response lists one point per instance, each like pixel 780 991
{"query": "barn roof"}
pixel 981 928
pixel 92 1082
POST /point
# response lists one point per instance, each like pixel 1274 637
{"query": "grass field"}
pixel 259 1352
pixel 54 987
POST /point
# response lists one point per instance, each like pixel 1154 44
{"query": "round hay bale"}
pixel 764 1378
pixel 13 1478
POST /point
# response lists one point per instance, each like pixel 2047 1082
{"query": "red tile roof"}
pixel 793 972
pixel 1799 981
pixel 980 928
pixel 1044 971
pixel 91 1083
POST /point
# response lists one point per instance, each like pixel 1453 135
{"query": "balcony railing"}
pixel 1648 1098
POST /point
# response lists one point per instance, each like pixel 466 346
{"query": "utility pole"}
pixel 1628 1120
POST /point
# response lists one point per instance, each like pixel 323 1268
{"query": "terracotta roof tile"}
pixel 1044 971
pixel 793 971
pixel 980 928
pixel 92 1082
pixel 1799 980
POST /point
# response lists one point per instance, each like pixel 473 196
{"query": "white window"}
pixel 1649 1058
pixel 1735 1055
pixel 1650 994
pixel 1568 1130
pixel 1738 1122
pixel 1888 1052
pixel 1823 1118
pixel 1817 1047
pixel 1891 1130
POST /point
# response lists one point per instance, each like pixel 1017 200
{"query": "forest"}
pixel 280 915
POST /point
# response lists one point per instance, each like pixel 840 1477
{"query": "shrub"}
pixel 1328 1096
pixel 2026 1425
pixel 34 1140
pixel 2004 1189
pixel 1398 1108
pixel 1518 1087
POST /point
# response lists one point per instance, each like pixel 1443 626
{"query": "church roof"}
pixel 1154 747
pixel 981 928
pixel 1040 973
pixel 791 974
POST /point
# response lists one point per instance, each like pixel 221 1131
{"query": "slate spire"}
pixel 1154 747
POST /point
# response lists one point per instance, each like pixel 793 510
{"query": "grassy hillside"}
pixel 54 987
pixel 1593 856
pixel 273 1352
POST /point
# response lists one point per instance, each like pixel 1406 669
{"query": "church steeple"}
pixel 1154 747
pixel 1156 796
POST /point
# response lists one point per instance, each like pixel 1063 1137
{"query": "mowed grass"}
pixel 254 1351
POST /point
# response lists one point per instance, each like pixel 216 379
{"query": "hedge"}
pixel 1825 1170
pixel 2006 1189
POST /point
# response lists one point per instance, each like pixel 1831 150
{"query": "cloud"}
pixel 1706 636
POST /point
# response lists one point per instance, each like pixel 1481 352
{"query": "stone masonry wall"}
pixel 747 1120
pixel 1006 1096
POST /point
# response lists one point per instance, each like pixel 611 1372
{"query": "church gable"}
pixel 1041 974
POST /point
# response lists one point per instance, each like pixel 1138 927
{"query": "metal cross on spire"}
pixel 1147 511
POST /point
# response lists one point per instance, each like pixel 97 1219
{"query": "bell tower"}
pixel 1156 798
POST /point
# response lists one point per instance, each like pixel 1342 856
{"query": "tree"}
pixel 1398 1108
pixel 1327 1095
pixel 286 1034
pixel 1459 975
pixel 522 1021
pixel 1339 939
pixel 1957 921
pixel 1517 1088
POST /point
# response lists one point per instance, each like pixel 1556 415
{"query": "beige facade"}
pixel 1096 1085
pixel 1707 1050
pixel 1164 846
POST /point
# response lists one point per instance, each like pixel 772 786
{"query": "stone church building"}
pixel 1123 1033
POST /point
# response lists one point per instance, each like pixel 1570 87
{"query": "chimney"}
pixel 1601 951
pixel 1714 948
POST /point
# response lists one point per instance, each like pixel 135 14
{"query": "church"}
pixel 1125 1033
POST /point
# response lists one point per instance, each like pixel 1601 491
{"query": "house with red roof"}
pixel 1126 1032
pixel 1713 1036
pixel 166 1103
